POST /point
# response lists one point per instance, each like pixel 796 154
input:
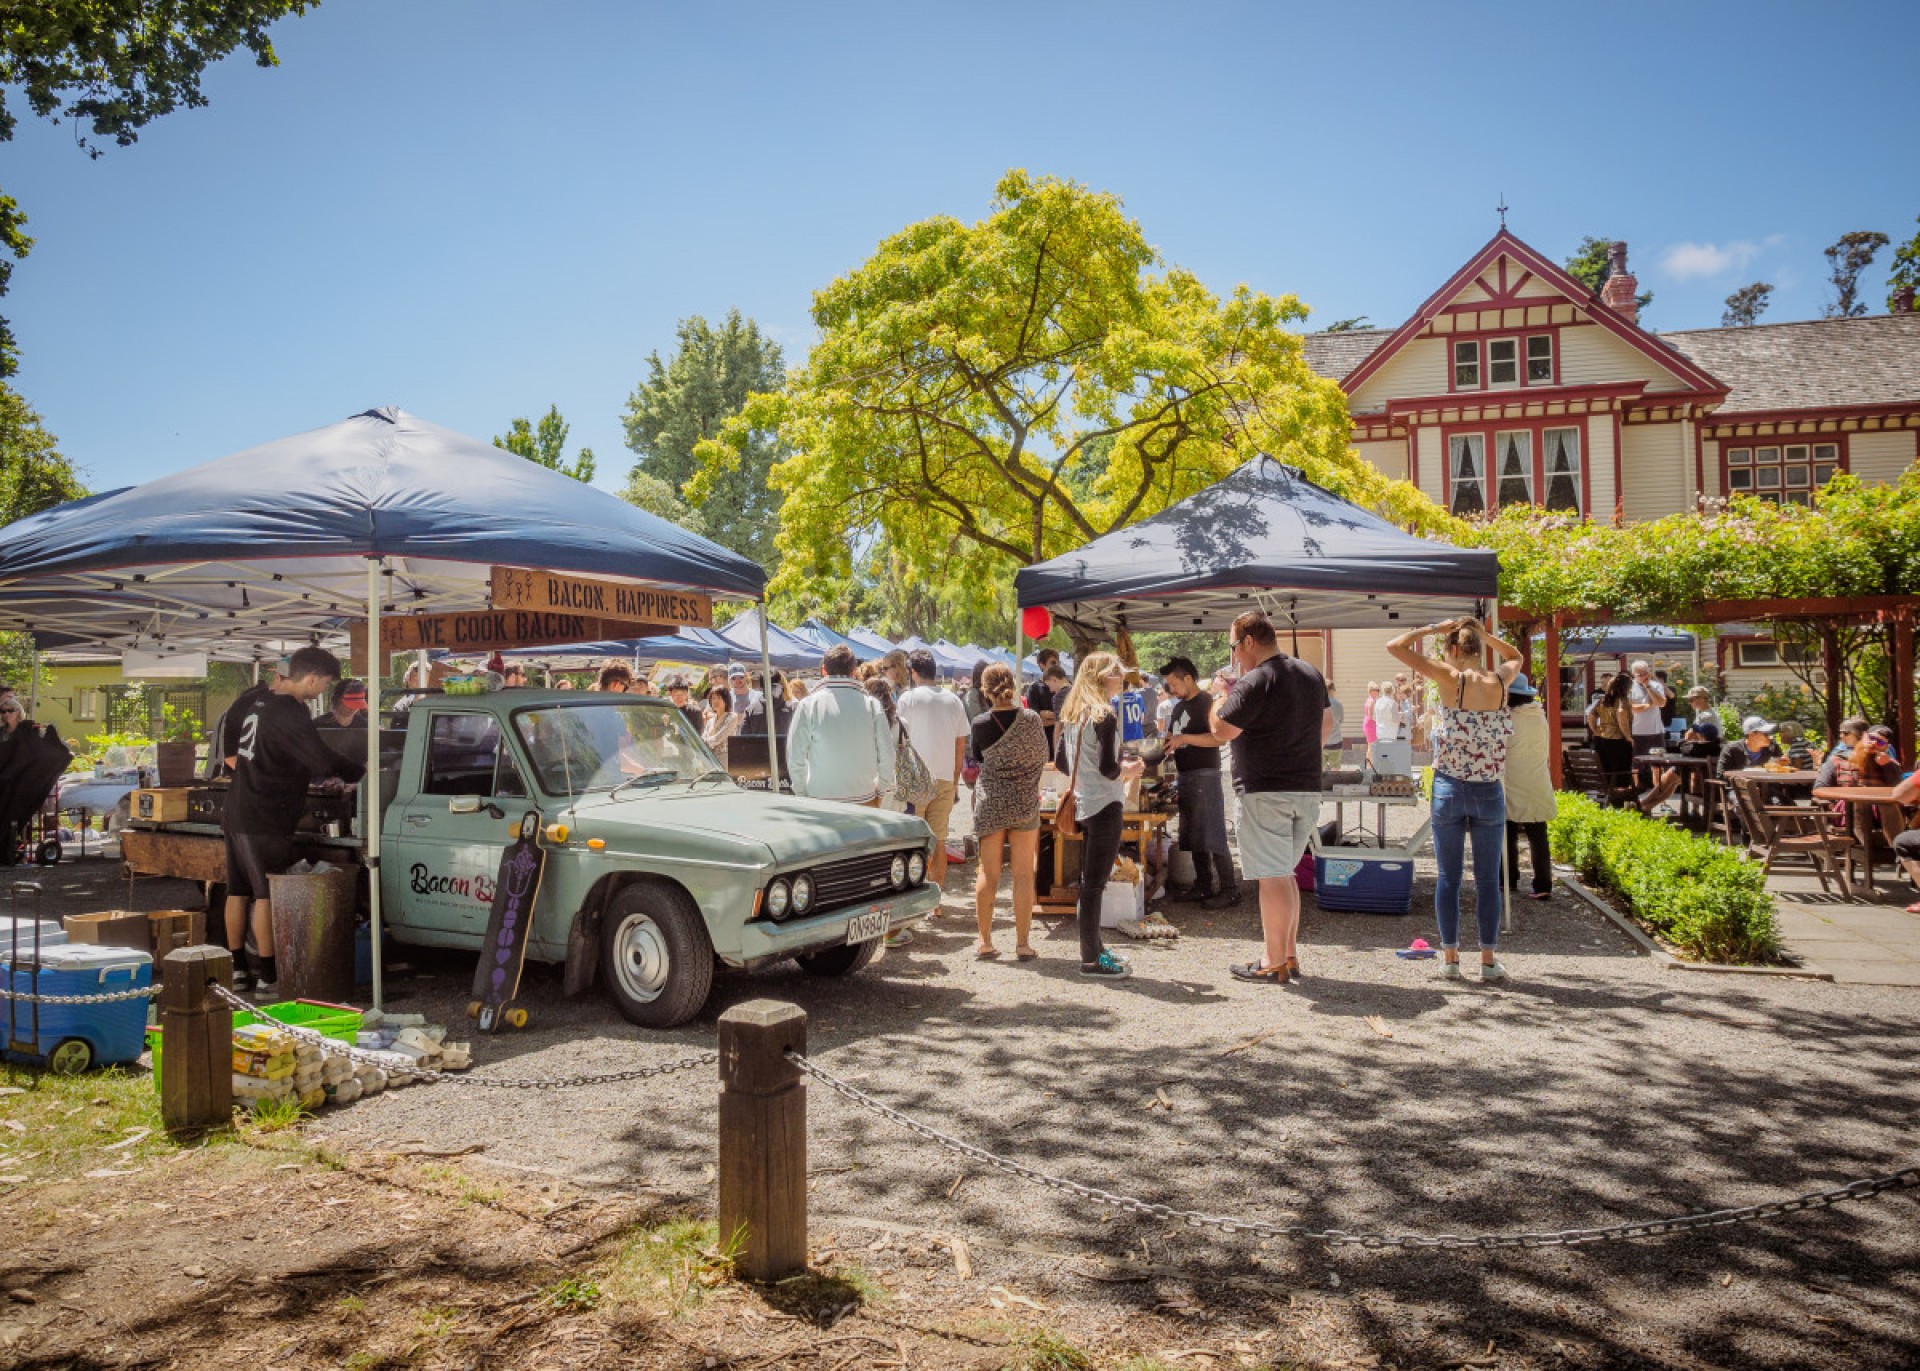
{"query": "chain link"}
pixel 1570 1237
pixel 384 1060
pixel 145 992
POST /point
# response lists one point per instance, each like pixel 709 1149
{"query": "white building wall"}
pixel 1881 456
pixel 1360 655
pixel 1710 467
pixel 1389 458
pixel 1599 458
pixel 1591 356
pixel 1419 368
pixel 1656 470
pixel 1432 453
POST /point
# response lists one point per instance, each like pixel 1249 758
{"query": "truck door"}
pixel 451 831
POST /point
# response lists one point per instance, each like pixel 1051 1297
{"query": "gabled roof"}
pixel 1333 355
pixel 1504 243
pixel 1813 364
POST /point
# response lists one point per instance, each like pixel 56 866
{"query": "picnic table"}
pixel 1864 804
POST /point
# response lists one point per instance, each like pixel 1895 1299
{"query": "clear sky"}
pixel 474 210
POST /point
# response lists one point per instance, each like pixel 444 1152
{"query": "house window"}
pixel 1466 366
pixel 1561 447
pixel 1789 471
pixel 1514 452
pixel 1467 458
pixel 86 705
pixel 1540 358
pixel 1503 361
pixel 1770 655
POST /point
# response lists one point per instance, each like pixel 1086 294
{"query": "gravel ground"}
pixel 1597 1087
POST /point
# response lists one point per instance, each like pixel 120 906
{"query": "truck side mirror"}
pixel 463 804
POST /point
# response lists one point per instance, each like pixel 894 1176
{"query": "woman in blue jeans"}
pixel 1090 754
pixel 1469 757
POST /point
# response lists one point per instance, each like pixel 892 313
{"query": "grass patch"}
pixel 571 1294
pixel 59 1127
pixel 1707 900
pixel 676 1264
pixel 1047 1351
pixel 456 1185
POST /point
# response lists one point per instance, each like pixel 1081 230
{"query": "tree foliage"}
pixel 1851 254
pixel 33 476
pixel 989 395
pixel 1906 271
pixel 111 67
pixel 547 445
pixel 649 492
pixel 688 399
pixel 1746 305
pixel 1589 266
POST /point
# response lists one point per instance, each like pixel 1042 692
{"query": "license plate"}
pixel 862 928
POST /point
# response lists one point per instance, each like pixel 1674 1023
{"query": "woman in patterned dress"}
pixel 1011 743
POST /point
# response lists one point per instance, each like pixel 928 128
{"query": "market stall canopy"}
pixel 1624 640
pixel 1264 538
pixel 820 633
pixel 784 650
pixel 867 638
pixel 268 548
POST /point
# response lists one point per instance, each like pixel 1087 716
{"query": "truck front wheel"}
pixel 655 955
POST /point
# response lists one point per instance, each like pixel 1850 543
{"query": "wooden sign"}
pixel 518 588
pixel 484 630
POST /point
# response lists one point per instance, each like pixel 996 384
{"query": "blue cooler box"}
pixel 73 1037
pixel 1364 880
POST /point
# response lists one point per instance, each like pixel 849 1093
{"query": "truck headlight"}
pixel 897 873
pixel 802 894
pixel 779 899
pixel 916 868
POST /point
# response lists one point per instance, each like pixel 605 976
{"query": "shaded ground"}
pixel 1598 1087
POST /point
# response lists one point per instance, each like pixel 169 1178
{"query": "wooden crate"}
pixel 161 806
pixel 157 932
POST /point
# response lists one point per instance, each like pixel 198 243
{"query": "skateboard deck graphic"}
pixel 503 954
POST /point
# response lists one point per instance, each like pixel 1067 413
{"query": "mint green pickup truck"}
pixel 658 864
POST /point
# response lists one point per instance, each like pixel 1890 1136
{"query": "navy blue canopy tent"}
pixel 783 650
pixel 282 544
pixel 1624 640
pixel 818 632
pixel 1263 538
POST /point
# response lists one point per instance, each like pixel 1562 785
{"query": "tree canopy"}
pixel 1851 254
pixel 1905 274
pixel 33 476
pixel 989 395
pixel 111 67
pixel 547 445
pixel 688 399
pixel 1746 305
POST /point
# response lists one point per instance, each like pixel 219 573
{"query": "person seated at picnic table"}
pixel 1906 846
pixel 1754 748
pixel 1701 702
pixel 1701 740
pixel 1610 730
pixel 1792 738
pixel 1857 759
pixel 1885 735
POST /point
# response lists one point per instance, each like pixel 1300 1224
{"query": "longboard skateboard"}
pixel 496 980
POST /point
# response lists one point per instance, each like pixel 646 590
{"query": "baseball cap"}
pixel 736 672
pixel 1753 723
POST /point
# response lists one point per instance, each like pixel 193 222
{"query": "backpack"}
pixel 912 781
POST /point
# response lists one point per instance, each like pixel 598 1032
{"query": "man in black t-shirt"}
pixel 1278 719
pixel 1203 805
pixel 276 752
pixel 1040 693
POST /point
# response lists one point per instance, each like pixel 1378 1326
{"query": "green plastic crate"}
pixel 337 1021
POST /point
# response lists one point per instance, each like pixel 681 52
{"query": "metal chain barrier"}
pixel 145 992
pixel 1570 1237
pixel 384 1060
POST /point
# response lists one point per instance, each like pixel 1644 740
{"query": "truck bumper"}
pixel 762 942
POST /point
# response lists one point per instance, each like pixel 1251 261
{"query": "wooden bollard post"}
pixel 196 1030
pixel 763 1139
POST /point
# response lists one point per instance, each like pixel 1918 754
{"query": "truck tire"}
pixel 840 961
pixel 655 955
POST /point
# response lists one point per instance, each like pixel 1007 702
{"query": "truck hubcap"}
pixel 640 957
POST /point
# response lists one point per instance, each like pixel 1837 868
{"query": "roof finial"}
pixel 1501 210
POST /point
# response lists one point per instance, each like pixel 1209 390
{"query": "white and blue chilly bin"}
pixel 73 1037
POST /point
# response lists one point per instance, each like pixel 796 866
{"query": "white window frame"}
pixel 1477 441
pixel 1513 361
pixel 1471 345
pixel 1496 474
pixel 1768 655
pixel 86 705
pixel 1547 472
pixel 1529 359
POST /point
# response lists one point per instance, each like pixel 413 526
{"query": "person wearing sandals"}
pixel 1011 744
pixel 1089 733
pixel 1277 721
pixel 1469 759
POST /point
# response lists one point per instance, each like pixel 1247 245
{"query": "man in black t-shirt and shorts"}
pixel 1203 805
pixel 1278 720
pixel 276 753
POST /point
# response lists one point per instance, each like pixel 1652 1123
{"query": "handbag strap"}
pixel 1073 772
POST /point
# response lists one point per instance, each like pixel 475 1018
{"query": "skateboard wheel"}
pixel 473 1009
pixel 517 1018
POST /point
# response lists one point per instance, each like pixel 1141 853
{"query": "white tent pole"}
pixel 33 682
pixel 773 732
pixel 371 841
pixel 1019 655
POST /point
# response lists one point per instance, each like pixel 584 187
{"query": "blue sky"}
pixel 474 210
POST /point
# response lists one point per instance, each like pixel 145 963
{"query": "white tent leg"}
pixel 33 682
pixel 1019 655
pixel 371 839
pixel 773 731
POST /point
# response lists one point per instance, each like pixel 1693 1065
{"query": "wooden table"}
pixel 198 852
pixel 1689 768
pixel 1138 826
pixel 1863 803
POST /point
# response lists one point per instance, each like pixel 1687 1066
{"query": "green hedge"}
pixel 1706 899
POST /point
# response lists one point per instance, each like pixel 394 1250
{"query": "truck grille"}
pixel 852 881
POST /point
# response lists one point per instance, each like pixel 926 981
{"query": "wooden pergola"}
pixel 1898 612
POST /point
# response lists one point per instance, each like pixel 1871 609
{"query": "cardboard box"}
pixel 161 806
pixel 155 932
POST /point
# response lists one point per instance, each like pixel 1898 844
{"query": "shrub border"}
pixel 1806 970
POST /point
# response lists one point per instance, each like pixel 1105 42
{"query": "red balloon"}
pixel 1036 621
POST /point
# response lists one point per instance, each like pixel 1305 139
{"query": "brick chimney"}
pixel 1620 289
pixel 1903 300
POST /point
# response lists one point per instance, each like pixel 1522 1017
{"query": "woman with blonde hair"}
pixel 1011 743
pixel 1089 734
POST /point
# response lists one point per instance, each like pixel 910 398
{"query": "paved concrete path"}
pixel 1869 939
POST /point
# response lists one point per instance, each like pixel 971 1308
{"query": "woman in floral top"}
pixel 1469 757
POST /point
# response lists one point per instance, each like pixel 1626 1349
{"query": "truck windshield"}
pixel 602 744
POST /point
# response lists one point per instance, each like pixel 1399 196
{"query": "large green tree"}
pixel 687 400
pixel 109 68
pixel 546 444
pixel 1746 305
pixel 1851 254
pixel 1589 266
pixel 988 395
pixel 1906 271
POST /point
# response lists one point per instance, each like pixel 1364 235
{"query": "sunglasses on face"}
pixel 11 709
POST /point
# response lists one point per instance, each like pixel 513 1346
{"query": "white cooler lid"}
pixel 82 957
pixel 51 933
